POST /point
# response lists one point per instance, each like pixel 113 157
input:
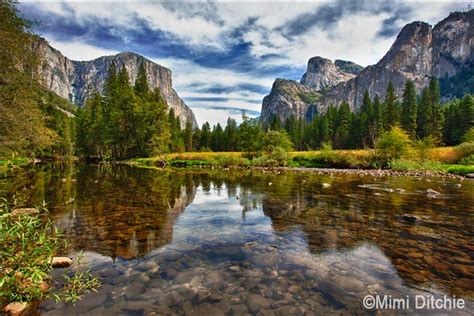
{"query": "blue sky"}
pixel 227 54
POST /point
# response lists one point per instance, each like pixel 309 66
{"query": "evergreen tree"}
pixel 188 136
pixel 141 83
pixel 343 126
pixel 231 135
pixel 378 116
pixel 217 143
pixel 409 109
pixel 435 114
pixel 275 124
pixel 423 114
pixel 205 141
pixel 366 119
pixel 392 111
pixel 466 113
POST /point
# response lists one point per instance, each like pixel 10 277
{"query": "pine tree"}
pixel 188 136
pixel 217 138
pixel 423 114
pixel 205 141
pixel 343 126
pixel 466 112
pixel 409 109
pixel 392 111
pixel 141 83
pixel 378 117
pixel 230 135
pixel 436 119
pixel 366 117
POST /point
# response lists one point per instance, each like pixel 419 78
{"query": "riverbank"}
pixel 438 161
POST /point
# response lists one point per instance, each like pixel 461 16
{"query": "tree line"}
pixel 422 117
pixel 133 121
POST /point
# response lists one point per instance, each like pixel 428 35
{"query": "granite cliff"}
pixel 419 53
pixel 76 80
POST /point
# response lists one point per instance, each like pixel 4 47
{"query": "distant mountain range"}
pixel 76 80
pixel 419 53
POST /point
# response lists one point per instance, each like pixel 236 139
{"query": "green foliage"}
pixel 309 97
pixel 33 121
pixel 469 136
pixel 28 244
pixel 392 107
pixel 458 85
pixel 468 160
pixel 126 121
pixel 414 165
pixel 393 144
pixel 409 109
pixel 464 150
pixel 461 169
pixel 423 146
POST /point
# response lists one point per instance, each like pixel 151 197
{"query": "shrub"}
pixel 469 160
pixel 27 245
pixel 464 150
pixel 469 136
pixel 409 165
pixel 461 169
pixel 423 147
pixel 393 144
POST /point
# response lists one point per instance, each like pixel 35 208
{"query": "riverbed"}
pixel 235 242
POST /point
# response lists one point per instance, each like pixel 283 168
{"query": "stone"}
pixel 19 308
pixel 256 302
pixel 134 289
pixel 214 277
pixel 326 185
pixel 432 192
pixel 61 262
pixel 470 175
pixel 24 211
pixel 207 309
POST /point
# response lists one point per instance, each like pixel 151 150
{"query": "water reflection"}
pixel 238 242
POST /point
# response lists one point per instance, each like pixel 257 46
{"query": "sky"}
pixel 224 56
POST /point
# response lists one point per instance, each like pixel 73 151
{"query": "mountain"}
pixel 322 74
pixel 287 97
pixel 419 53
pixel 76 80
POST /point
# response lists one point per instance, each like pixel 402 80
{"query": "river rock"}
pixel 432 192
pixel 134 289
pixel 61 262
pixel 208 310
pixel 19 308
pixel 24 211
pixel 256 302
pixel 470 175
pixel 214 277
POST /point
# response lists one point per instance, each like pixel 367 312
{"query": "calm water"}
pixel 251 242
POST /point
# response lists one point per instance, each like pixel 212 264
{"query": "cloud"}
pixel 80 51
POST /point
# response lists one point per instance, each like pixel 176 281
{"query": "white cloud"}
pixel 80 51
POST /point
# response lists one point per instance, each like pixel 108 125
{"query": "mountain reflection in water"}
pixel 245 241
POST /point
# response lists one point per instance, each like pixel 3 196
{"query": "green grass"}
pixel 461 170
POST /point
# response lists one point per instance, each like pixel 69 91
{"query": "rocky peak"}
pixel 76 80
pixel 419 53
pixel 287 98
pixel 322 74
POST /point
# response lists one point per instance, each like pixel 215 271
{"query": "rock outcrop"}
pixel 76 80
pixel 419 53
pixel 287 97
pixel 322 74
